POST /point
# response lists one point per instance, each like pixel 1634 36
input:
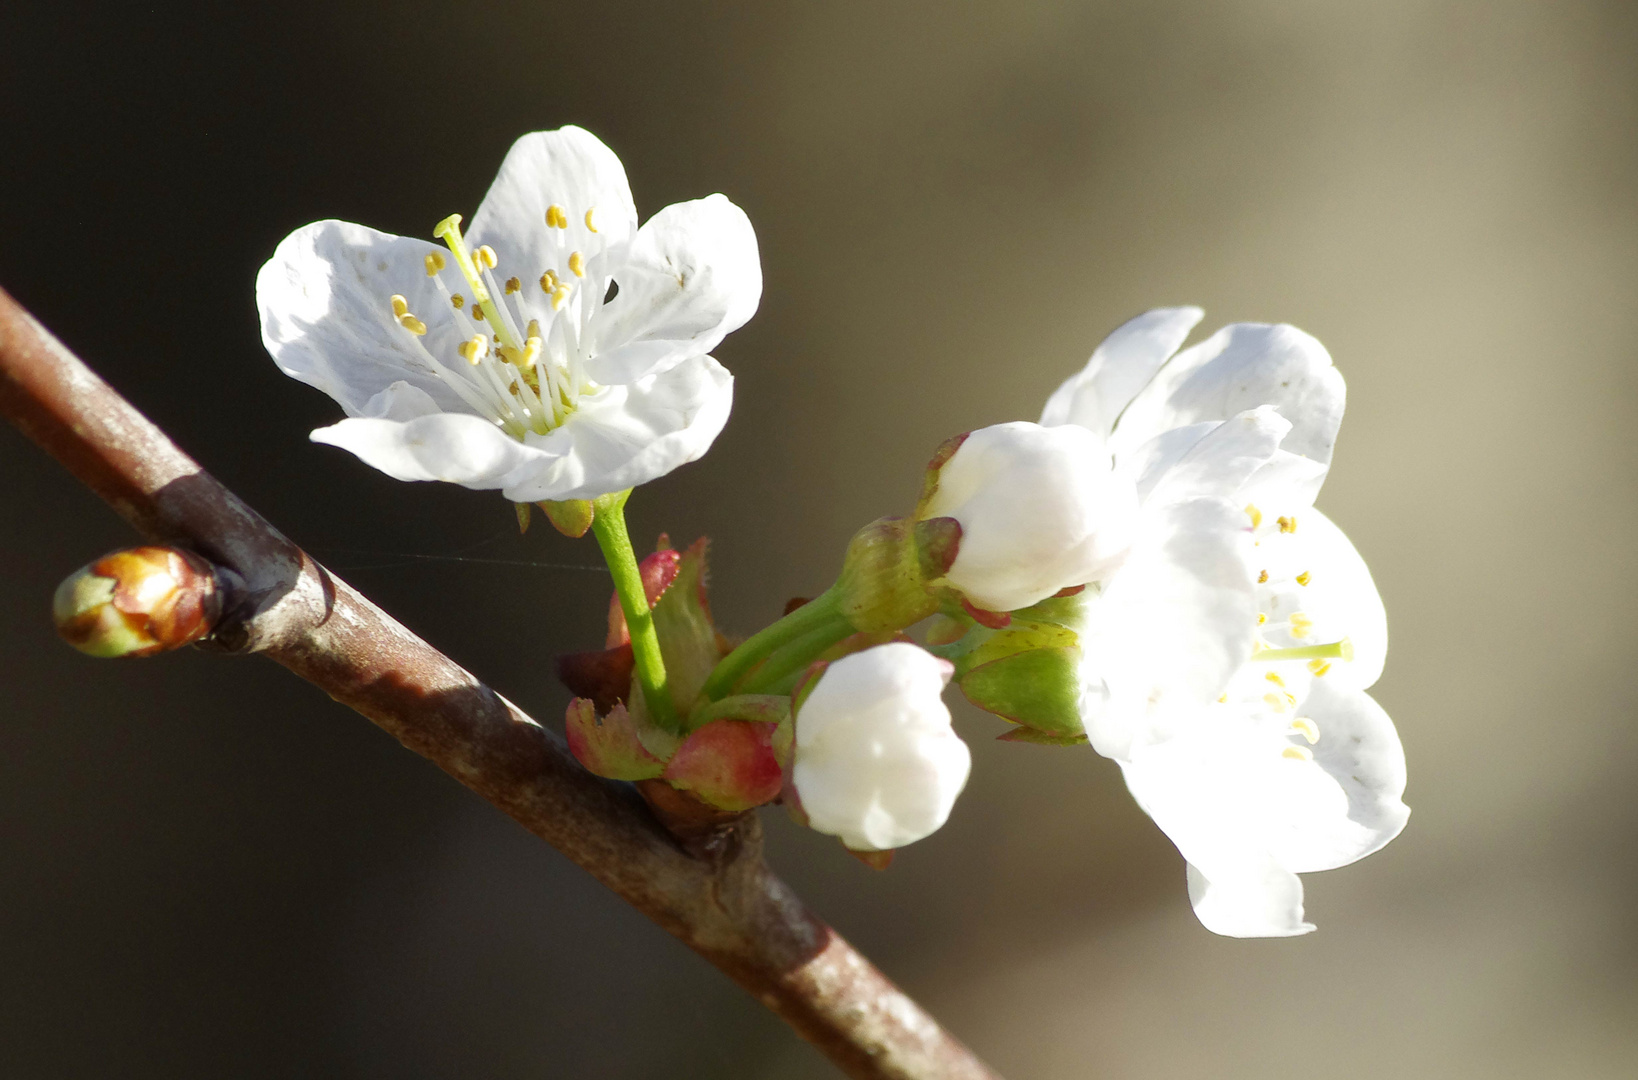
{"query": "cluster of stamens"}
pixel 1276 697
pixel 523 379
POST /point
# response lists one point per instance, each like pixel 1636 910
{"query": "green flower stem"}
pixel 819 612
pixel 780 672
pixel 609 525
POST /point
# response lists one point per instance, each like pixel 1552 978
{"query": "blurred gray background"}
pixel 209 869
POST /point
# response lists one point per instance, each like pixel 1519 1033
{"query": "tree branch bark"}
pixel 731 909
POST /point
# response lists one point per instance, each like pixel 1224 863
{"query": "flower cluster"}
pixel 1143 570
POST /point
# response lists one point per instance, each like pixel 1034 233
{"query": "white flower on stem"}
pixel 1040 510
pixel 875 761
pixel 1226 660
pixel 556 351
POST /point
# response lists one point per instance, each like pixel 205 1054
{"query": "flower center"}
pixel 524 379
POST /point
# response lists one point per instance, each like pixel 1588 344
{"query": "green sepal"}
pixel 689 641
pixel 1037 687
pixel 572 517
pixel 1041 738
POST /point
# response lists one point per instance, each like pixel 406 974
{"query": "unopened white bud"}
pixel 1040 508
pixel 876 762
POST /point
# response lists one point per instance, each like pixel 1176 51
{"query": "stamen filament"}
pixel 449 231
pixel 1343 650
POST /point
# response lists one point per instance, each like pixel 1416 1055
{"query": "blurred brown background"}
pixel 209 869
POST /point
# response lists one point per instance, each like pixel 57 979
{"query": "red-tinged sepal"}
pixel 689 640
pixel 1042 738
pixel 608 745
pixel 728 764
pixel 876 860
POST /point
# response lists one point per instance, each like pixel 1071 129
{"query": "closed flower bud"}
pixel 889 567
pixel 138 602
pixel 875 761
pixel 1040 510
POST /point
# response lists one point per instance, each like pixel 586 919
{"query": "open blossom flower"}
pixel 555 352
pixel 1040 510
pixel 875 760
pixel 1225 661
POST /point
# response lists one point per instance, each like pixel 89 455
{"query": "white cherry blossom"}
pixel 875 761
pixel 1226 660
pixel 556 351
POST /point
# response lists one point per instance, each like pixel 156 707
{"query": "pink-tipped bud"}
pixel 138 602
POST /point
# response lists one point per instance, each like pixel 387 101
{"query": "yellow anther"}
pixel 1297 753
pixel 1276 701
pixel 1288 524
pixel 513 285
pixel 1259 646
pixel 1307 727
pixel 399 306
pixel 1261 618
pixel 1319 667
pixel 509 354
pixel 557 217
pixel 412 324
pixel 1301 625
pixel 458 300
pixel 1255 515
pixel 560 296
pixel 577 264
pixel 1274 677
pixel 1262 578
pixel 534 331
pixel 548 282
pixel 486 256
pixel 434 263
pixel 477 312
pixel 1304 578
pixel 514 389
pixel 1223 700
pixel 472 351
pixel 589 226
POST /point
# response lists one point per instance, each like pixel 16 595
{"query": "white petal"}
pixel 1170 628
pixel 1258 901
pixel 1119 368
pixel 400 401
pixel 1345 803
pixel 1240 367
pixel 326 306
pixel 1206 459
pixel 459 449
pixel 693 276
pixel 571 168
pixel 623 436
pixel 1040 510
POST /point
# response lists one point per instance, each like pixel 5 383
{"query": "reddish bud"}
pixel 730 764
pixel 138 602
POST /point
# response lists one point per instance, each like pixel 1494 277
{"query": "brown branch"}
pixel 731 910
